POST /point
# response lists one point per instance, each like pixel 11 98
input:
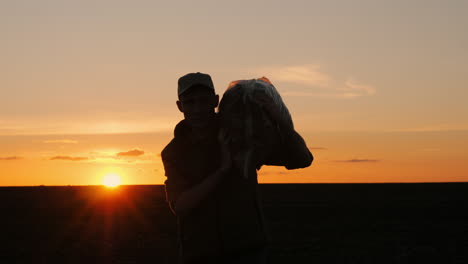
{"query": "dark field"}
pixel 309 223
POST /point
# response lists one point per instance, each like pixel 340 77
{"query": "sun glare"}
pixel 111 180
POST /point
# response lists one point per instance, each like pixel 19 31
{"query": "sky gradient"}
pixel 377 88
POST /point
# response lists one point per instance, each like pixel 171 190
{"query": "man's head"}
pixel 197 98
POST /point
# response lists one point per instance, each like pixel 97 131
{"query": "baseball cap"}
pixel 191 79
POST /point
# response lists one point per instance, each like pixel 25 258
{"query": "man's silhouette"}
pixel 220 218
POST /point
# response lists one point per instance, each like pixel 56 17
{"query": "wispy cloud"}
pixel 131 156
pixel 131 153
pixel 314 82
pixel 69 158
pixel 11 158
pixel 318 148
pixel 61 141
pixel 353 89
pixel 358 160
pixel 304 74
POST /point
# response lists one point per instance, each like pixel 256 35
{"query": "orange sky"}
pixel 377 88
pixel 339 157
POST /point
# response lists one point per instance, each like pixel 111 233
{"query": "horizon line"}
pixel 286 183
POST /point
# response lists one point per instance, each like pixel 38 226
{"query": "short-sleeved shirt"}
pixel 231 218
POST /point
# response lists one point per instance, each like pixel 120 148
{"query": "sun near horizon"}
pixel 89 87
pixel 111 180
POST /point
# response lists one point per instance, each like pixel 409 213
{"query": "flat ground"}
pixel 309 223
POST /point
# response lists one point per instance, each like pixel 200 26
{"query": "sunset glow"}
pixel 376 88
pixel 111 180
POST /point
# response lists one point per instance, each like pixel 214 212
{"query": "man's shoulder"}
pixel 169 149
pixel 173 147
